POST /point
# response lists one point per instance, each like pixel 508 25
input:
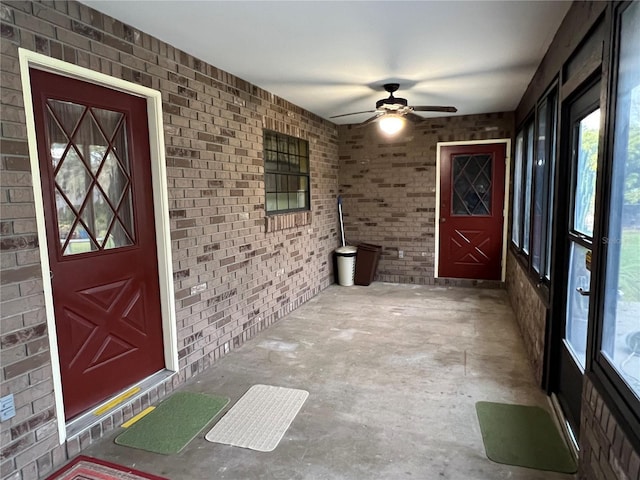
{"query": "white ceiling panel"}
pixel 332 57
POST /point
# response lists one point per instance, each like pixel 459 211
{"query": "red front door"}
pixel 471 211
pixel 95 167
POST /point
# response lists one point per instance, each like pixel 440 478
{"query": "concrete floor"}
pixel 393 373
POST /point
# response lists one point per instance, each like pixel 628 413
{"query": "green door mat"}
pixel 174 423
pixel 523 436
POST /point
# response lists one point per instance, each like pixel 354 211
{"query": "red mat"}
pixel 88 468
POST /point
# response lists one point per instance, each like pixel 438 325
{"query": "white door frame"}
pixel 507 176
pixel 29 59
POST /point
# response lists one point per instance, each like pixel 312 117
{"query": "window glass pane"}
pixel 293 200
pixel 73 179
pixel 621 323
pixel 461 185
pixel 125 219
pixel 98 215
pixel 471 185
pixel 270 182
pixel 303 199
pixel 68 114
pixel 587 163
pixel 286 173
pixel 283 201
pixel 293 183
pixel 108 120
pixel 528 174
pixel 283 162
pixel 551 161
pixel 283 144
pixel 66 217
pixel 90 142
pixel 112 179
pixel 302 184
pixel 270 161
pixel 272 202
pixel 294 163
pixel 270 141
pixel 517 190
pixel 282 184
pixel 80 242
pixel 577 304
pixel 539 173
pixel 93 185
pixel 57 137
pixel 117 237
pixel 304 164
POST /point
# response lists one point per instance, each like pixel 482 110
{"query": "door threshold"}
pixel 97 414
pixel 564 426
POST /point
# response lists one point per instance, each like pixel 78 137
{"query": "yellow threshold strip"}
pixel 119 399
pixel 133 420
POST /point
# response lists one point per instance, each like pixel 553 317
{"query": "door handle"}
pixel 442 219
pixel 584 293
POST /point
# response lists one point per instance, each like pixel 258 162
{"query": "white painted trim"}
pixel 507 179
pixel 44 254
pixel 163 233
pixel 160 199
pixel 436 250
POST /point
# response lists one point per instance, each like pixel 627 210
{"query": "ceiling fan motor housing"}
pixel 391 103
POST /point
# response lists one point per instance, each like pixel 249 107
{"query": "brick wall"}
pixel 530 313
pixel 213 126
pixel 389 188
pixel 605 452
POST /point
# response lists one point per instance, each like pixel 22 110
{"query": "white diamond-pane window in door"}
pixel 471 185
pixel 90 160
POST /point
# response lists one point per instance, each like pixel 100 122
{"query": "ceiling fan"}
pixel 397 107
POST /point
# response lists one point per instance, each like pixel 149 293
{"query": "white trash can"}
pixel 346 265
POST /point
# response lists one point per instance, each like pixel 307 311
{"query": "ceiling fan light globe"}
pixel 391 124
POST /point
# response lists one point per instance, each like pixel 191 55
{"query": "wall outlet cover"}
pixel 7 407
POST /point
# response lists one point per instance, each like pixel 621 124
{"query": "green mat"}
pixel 173 424
pixel 523 436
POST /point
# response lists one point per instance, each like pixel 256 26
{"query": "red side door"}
pixel 95 167
pixel 471 211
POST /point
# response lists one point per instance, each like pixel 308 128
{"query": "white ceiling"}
pixel 332 57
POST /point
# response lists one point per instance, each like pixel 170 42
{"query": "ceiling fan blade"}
pixel 353 113
pixel 414 118
pixel 424 108
pixel 369 120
